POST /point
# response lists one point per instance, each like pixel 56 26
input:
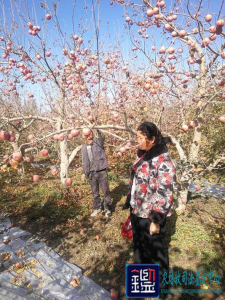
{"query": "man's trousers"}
pixel 100 179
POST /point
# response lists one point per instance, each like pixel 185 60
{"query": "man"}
pixel 95 164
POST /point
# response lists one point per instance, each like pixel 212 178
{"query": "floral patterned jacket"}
pixel 153 173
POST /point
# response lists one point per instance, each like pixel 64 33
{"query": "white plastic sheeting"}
pixel 42 273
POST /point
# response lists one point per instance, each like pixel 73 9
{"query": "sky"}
pixel 75 15
pixel 112 29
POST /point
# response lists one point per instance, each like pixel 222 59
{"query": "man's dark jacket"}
pixel 99 157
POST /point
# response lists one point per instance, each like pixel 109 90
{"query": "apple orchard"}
pixel 57 82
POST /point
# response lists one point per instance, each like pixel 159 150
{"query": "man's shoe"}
pixel 108 213
pixel 96 212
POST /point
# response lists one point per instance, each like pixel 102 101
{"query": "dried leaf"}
pixel 35 271
pixel 75 282
pixel 18 271
pixel 20 252
pixel 5 256
pixel 97 237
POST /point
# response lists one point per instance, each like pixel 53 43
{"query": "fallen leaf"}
pixel 18 265
pixel 5 256
pixel 75 282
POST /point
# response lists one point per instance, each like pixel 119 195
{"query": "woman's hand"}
pixel 154 228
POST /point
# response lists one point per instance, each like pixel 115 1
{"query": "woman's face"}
pixel 143 142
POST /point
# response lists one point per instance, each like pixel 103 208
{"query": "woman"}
pixel 150 196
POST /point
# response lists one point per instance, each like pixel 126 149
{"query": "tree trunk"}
pixel 183 184
pixel 181 199
pixel 64 160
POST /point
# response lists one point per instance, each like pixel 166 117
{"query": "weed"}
pixel 112 176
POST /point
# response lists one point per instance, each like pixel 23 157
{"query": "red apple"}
pixel 174 33
pixel 155 10
pixel 220 23
pixel 122 149
pixel 17 156
pixel 56 137
pixel 222 119
pixel 30 25
pixel 182 33
pixel 162 4
pixel 213 37
pixel 54 171
pixel 69 136
pixel 91 118
pixel 48 17
pixel 80 41
pixel 44 152
pixel 192 124
pixel 61 137
pixel 114 294
pixel 197 188
pixel 68 181
pixel 208 18
pixel 86 132
pixel 155 85
pixel 75 132
pixel 205 41
pixel 212 29
pixel 82 231
pixel 12 138
pixel 29 158
pixel 167 27
pixel 184 127
pixel 147 86
pixel 170 50
pixel 162 50
pixel 35 178
pixel 4 135
pixel 150 12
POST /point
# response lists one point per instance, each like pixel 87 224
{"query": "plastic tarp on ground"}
pixel 29 269
pixel 210 189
